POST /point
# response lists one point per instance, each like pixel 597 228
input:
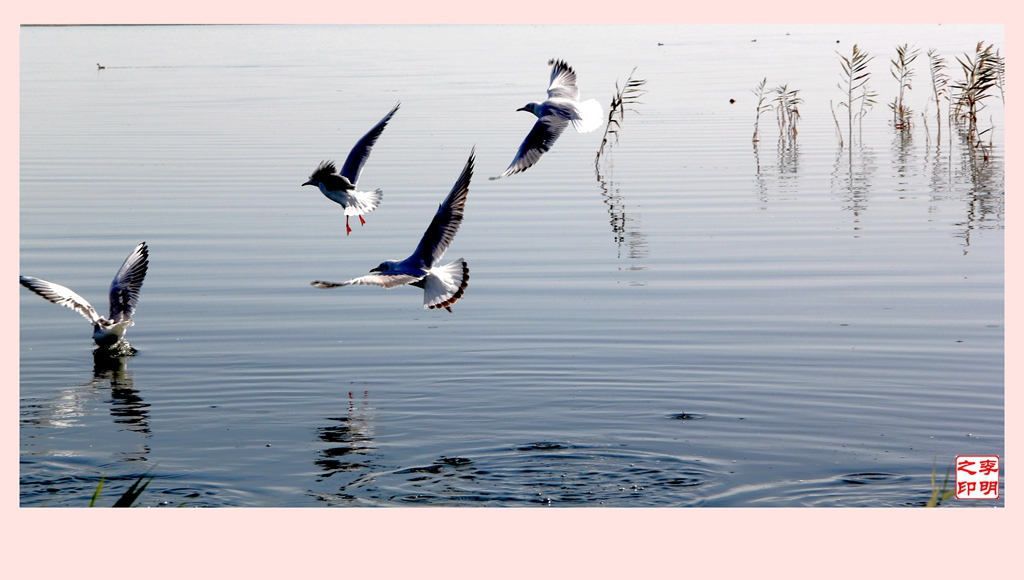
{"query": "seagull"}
pixel 442 285
pixel 561 108
pixel 124 296
pixel 341 187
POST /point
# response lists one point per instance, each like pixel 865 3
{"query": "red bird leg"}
pixel 362 222
pixel 348 229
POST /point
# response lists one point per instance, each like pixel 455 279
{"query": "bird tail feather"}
pixel 591 115
pixel 363 202
pixel 445 285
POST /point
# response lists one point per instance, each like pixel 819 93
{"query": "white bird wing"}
pixel 563 81
pixel 124 288
pixel 60 295
pixel 544 133
pixel 361 150
pixel 383 280
pixel 443 227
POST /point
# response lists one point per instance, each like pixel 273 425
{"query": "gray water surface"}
pixel 696 320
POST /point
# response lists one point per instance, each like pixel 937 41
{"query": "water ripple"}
pixel 541 473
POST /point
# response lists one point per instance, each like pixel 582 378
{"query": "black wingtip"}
pixel 322 171
pixel 467 172
pixel 559 63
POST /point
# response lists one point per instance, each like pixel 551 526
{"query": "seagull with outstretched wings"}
pixel 124 297
pixel 340 187
pixel 561 108
pixel 442 285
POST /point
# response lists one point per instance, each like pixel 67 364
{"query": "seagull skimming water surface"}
pixel 124 296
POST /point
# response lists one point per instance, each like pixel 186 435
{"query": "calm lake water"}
pixel 696 320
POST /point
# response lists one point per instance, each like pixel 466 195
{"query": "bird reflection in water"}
pixel 126 405
pixel 349 439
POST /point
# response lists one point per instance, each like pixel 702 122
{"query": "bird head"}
pixel 321 173
pixel 531 107
pixel 384 267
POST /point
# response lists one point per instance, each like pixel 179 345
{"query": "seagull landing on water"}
pixel 442 285
pixel 341 187
pixel 561 108
pixel 124 296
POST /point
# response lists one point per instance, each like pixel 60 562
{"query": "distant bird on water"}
pixel 100 66
pixel 124 296
pixel 341 187
pixel 442 285
pixel 553 115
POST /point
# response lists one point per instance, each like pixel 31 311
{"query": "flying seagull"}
pixel 561 108
pixel 124 296
pixel 341 187
pixel 442 285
